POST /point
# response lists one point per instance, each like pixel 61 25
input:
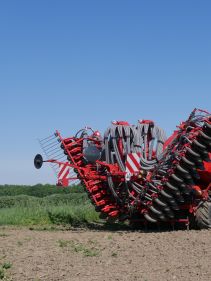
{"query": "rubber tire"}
pixel 203 216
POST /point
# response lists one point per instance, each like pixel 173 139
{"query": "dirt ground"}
pixel 105 255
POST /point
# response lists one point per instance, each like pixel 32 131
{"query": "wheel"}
pixel 203 215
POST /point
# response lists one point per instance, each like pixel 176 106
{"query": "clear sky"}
pixel 67 64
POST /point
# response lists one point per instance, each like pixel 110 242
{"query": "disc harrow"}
pixel 134 172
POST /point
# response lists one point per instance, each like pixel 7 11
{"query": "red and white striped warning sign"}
pixel 133 163
pixel 63 173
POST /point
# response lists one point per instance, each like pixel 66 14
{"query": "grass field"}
pixel 45 205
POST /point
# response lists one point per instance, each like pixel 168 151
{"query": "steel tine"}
pixel 54 142
pixel 47 142
pixel 54 154
pixel 60 159
pixel 50 147
pixel 49 137
pixel 43 141
pixel 58 155
pixel 54 149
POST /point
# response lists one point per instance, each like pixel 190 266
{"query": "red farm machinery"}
pixel 135 173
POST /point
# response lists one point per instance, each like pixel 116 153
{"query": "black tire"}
pixel 203 215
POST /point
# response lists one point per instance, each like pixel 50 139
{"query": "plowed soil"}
pixel 105 255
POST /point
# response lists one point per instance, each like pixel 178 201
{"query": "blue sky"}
pixel 67 64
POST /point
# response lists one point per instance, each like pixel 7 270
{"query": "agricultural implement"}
pixel 135 173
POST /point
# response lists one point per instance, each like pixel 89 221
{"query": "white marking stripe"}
pixel 135 162
pixel 135 155
pixel 129 169
pixel 131 165
pixel 61 169
pixel 64 174
pixel 65 171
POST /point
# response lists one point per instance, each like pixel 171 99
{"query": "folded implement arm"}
pixel 135 172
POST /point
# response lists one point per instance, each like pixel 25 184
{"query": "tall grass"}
pixel 24 216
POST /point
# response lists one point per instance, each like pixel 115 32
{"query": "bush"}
pixel 52 200
pixel 38 190
pixel 20 200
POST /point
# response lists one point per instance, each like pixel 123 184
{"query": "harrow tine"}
pixel 55 149
pixel 53 155
pixel 51 143
pixel 58 155
pixel 62 157
pixel 50 147
pixel 45 140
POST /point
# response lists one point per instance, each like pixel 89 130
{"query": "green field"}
pixel 45 205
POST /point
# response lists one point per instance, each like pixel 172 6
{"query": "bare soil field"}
pixel 76 255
